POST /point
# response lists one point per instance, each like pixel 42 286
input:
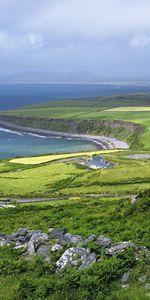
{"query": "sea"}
pixel 14 143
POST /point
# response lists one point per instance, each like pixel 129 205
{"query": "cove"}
pixel 14 143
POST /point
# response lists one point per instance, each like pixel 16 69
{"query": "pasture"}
pixel 56 178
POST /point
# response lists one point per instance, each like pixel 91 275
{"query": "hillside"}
pixel 111 116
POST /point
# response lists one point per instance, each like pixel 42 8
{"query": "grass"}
pixel 57 178
pixel 115 218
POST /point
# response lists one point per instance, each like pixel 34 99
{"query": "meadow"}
pixel 58 178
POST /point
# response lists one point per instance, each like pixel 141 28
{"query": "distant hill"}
pixel 38 76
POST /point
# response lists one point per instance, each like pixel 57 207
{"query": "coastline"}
pixel 102 142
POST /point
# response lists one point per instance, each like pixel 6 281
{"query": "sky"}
pixel 110 38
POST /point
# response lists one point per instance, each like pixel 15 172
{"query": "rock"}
pixel 2 236
pixel 22 232
pixel 125 278
pixel 142 279
pixel 145 251
pixel 120 248
pixel 104 241
pixel 4 242
pixel 44 251
pixel 74 239
pixel 12 237
pixel 22 239
pixel 20 246
pixel 56 247
pixel 125 286
pixel 72 256
pixel 30 248
pixel 38 238
pixel 147 286
pixel 133 198
pixel 67 237
pixel 3 239
pixel 90 260
pixel 29 235
pixel 56 233
pixel 62 241
pixel 91 238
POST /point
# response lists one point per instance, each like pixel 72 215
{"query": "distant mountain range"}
pixel 67 77
pixel 53 77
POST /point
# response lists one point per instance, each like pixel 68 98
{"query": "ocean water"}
pixel 14 143
pixel 17 95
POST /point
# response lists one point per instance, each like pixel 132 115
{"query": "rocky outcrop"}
pixel 73 250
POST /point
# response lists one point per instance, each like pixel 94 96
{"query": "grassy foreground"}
pixel 115 218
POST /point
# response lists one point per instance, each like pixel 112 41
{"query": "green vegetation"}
pixel 87 209
pixel 59 178
pixel 115 218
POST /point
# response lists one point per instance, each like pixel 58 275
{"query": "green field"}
pixel 97 201
pixel 58 178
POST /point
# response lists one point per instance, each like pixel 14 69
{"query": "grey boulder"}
pixel 54 233
pixel 38 238
pixel 44 251
pixel 75 257
pixel 56 247
pixel 120 248
pixel 90 260
pixel 103 241
pixel 125 278
pixel 74 239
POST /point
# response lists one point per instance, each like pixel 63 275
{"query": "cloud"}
pixel 94 18
pixel 140 41
pixel 10 42
pixel 97 35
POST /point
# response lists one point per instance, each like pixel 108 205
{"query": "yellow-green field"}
pixel 53 157
pixel 130 108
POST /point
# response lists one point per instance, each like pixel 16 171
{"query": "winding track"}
pixel 44 200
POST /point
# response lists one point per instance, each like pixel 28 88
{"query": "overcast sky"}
pixel 110 38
